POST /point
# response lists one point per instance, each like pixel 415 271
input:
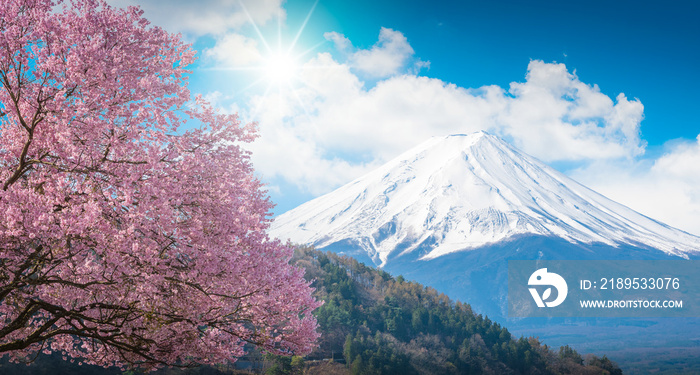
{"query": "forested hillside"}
pixel 385 325
pixel 373 323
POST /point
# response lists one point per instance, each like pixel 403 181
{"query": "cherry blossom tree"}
pixel 124 239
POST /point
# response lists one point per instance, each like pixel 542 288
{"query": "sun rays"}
pixel 280 68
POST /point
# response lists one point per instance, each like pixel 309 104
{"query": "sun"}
pixel 281 68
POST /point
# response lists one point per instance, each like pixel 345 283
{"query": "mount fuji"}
pixel 466 192
pixel 452 211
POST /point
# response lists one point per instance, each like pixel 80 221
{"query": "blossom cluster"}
pixel 125 239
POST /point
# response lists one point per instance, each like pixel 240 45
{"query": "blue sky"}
pixel 646 49
pixel 604 91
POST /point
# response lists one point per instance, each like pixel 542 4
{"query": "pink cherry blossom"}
pixel 125 240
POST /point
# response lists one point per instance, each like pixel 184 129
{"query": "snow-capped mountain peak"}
pixel 462 192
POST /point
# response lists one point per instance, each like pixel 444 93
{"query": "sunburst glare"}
pixel 281 68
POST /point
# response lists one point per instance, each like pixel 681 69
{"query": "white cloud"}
pixel 344 128
pixel 223 102
pixel 341 43
pixel 387 57
pixel 235 50
pixel 552 115
pixel 683 161
pixel 288 147
pixel 206 16
pixel 665 189
pixel 555 116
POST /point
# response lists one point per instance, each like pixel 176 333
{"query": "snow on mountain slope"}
pixel 462 192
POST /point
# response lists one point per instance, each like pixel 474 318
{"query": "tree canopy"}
pixel 125 239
